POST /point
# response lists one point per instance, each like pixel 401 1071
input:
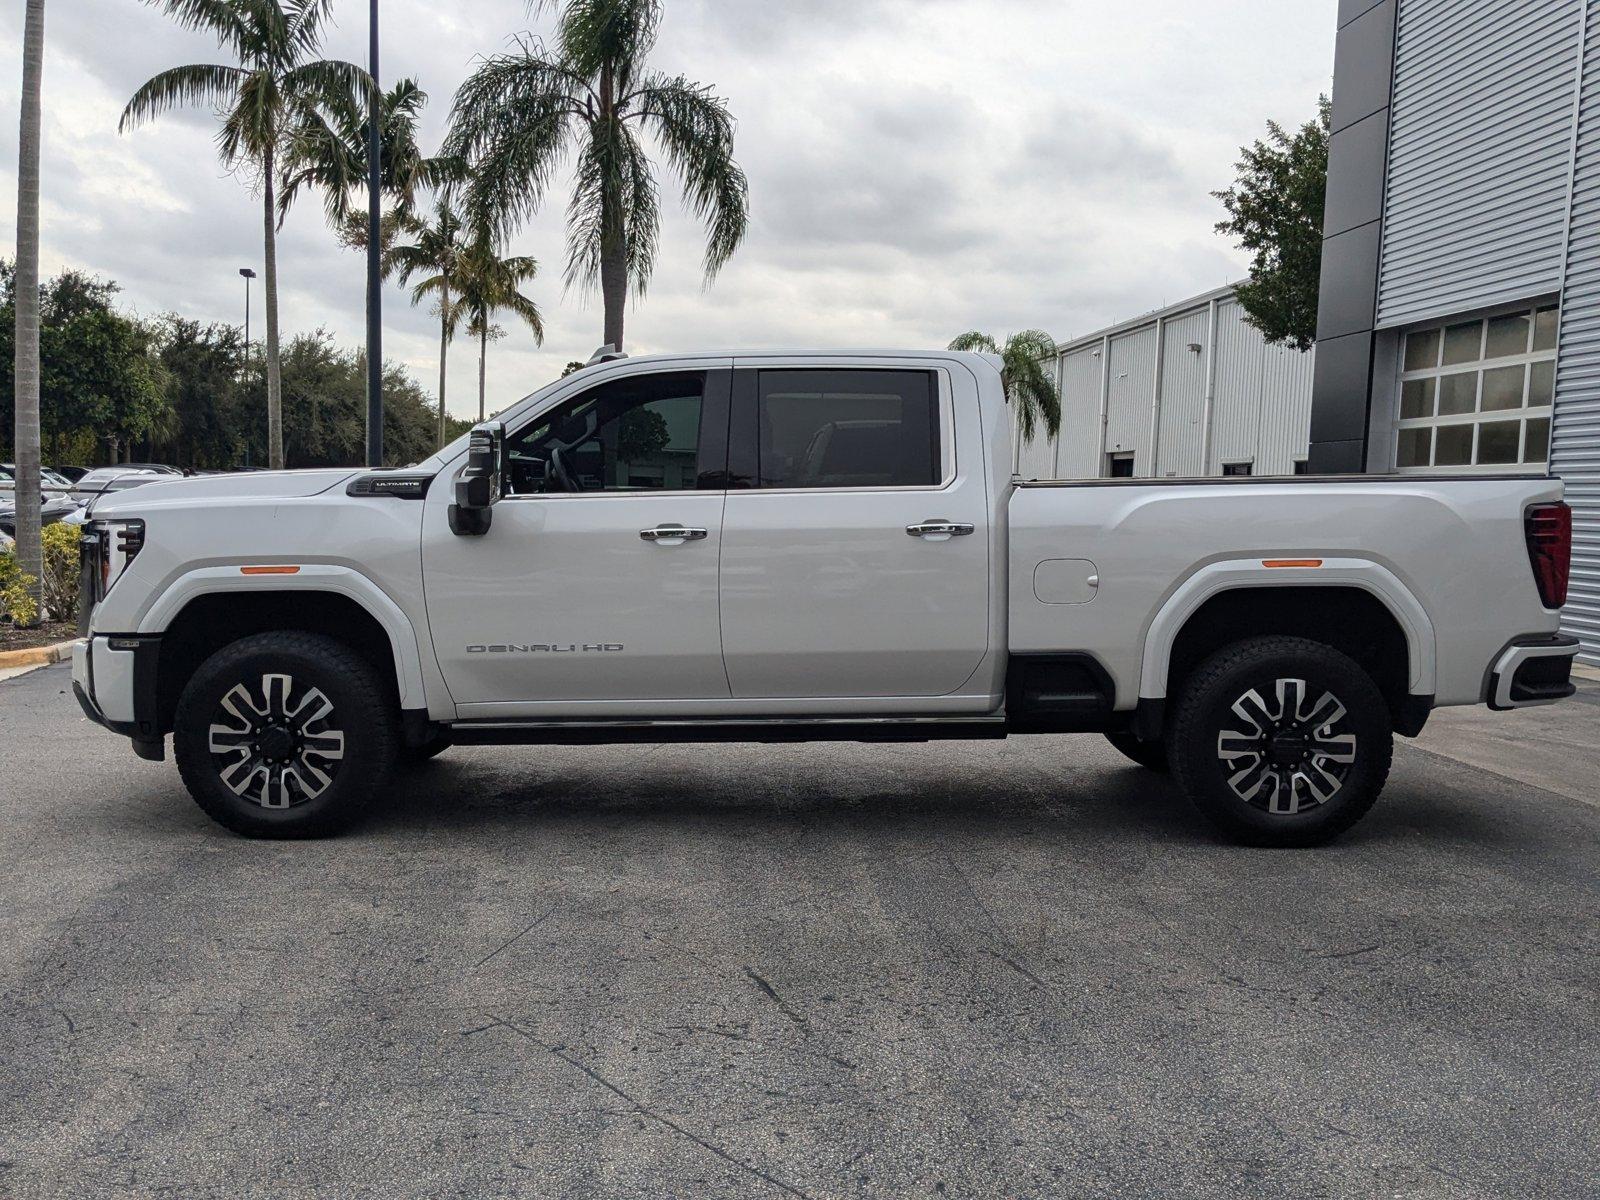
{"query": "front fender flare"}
pixel 1218 577
pixel 312 577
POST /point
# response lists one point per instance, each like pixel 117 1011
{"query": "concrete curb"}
pixel 36 656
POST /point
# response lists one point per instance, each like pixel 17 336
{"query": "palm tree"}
pixel 1028 384
pixel 30 549
pixel 275 43
pixel 327 150
pixel 435 253
pixel 518 115
pixel 488 283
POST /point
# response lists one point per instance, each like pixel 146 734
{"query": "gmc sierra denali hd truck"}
pixel 806 546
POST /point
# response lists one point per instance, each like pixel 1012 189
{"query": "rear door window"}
pixel 847 429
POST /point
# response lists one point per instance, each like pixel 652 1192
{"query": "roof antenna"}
pixel 605 354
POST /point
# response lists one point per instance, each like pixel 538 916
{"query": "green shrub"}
pixel 16 601
pixel 61 570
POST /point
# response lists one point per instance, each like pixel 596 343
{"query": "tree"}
pixel 275 43
pixel 1028 384
pixel 30 552
pixel 520 113
pixel 489 283
pixel 98 377
pixel 1275 210
pixel 434 253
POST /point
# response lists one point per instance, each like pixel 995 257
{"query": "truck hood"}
pixel 207 489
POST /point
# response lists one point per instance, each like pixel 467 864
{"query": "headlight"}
pixel 116 542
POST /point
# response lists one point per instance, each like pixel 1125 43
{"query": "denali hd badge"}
pixel 570 648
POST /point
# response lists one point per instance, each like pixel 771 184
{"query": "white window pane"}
pixel 1544 328
pixel 1542 384
pixel 1416 398
pixel 1538 445
pixel 1416 446
pixel 1502 388
pixel 1422 350
pixel 1463 343
pixel 1454 447
pixel 1498 441
pixel 1458 394
pixel 1508 336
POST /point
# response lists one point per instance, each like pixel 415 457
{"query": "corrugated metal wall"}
pixel 1236 414
pixel 1575 438
pixel 1260 413
pixel 1080 414
pixel 1479 153
pixel 1180 438
pixel 1131 396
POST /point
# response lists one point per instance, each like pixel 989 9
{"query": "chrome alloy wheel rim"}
pixel 1287 754
pixel 275 744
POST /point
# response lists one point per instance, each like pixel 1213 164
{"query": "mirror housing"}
pixel 478 484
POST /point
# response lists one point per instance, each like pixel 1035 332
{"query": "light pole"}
pixel 374 274
pixel 248 275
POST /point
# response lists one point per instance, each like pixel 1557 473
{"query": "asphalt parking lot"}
pixel 1011 969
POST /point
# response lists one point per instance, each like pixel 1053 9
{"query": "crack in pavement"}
pixel 644 1110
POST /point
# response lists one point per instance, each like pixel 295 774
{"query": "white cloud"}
pixel 917 167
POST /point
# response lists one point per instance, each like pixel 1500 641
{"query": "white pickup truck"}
pixel 807 546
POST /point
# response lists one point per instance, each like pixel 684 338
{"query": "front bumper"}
pixel 114 680
pixel 1532 671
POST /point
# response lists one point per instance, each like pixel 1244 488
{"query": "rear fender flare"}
pixel 1231 574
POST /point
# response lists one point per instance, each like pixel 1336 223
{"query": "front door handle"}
pixel 939 529
pixel 672 535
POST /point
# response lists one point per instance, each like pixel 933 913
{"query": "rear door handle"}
pixel 939 529
pixel 673 534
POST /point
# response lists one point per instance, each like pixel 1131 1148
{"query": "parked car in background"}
pixel 156 468
pixel 72 473
pixel 50 482
pixel 51 510
pixel 112 479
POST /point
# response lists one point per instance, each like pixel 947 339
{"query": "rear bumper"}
pixel 1532 671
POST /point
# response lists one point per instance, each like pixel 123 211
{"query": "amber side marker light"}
pixel 269 570
pixel 1291 562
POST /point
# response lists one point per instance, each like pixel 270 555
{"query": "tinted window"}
pixel 838 429
pixel 635 435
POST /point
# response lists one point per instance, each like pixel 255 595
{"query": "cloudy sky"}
pixel 917 168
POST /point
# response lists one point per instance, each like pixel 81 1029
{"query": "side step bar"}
pixel 733 729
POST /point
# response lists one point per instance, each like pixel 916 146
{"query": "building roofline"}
pixel 1225 292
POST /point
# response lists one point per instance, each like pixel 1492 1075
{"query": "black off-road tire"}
pixel 1151 755
pixel 361 723
pixel 1205 724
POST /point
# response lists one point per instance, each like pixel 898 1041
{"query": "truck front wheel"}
pixel 1281 741
pixel 284 735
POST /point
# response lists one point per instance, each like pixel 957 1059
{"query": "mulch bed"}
pixel 48 634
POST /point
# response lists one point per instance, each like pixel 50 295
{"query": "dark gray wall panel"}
pixel 1349 10
pixel 1363 65
pixel 1343 374
pixel 1337 458
pixel 1349 282
pixel 1355 174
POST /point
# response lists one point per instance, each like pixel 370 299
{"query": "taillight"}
pixel 1548 528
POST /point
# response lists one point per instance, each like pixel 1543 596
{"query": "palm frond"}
pixel 229 21
pixel 613 199
pixel 1029 383
pixel 614 35
pixel 980 343
pixel 696 130
pixel 200 83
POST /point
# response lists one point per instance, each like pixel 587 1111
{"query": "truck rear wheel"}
pixel 1281 741
pixel 1151 755
pixel 284 735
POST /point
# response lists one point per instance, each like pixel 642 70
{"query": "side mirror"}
pixel 478 484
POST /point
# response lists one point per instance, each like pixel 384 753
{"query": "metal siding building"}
pixel 1459 323
pixel 1181 392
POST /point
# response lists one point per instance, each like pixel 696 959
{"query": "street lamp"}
pixel 248 275
pixel 374 274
